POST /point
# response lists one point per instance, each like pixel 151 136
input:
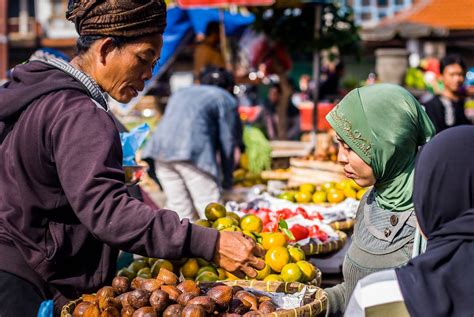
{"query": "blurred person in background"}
pixel 195 142
pixel 329 89
pixel 447 110
pixel 208 51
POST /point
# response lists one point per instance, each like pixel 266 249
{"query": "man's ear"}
pixel 105 47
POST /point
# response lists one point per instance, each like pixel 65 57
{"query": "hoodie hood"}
pixel 29 82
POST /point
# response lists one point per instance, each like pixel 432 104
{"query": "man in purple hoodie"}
pixel 64 208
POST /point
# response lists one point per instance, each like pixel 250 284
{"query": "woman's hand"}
pixel 238 254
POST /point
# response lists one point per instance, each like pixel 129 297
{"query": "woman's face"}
pixel 354 167
pixel 129 66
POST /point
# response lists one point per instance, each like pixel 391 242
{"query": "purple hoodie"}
pixel 64 208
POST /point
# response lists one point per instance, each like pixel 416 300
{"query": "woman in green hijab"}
pixel 379 129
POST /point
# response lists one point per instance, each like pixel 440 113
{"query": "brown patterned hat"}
pixel 123 18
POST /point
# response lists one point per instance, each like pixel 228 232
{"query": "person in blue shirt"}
pixel 195 142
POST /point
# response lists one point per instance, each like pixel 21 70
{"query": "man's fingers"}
pixel 257 263
pixel 250 272
pixel 240 274
pixel 259 251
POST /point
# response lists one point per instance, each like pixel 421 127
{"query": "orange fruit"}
pixel 290 196
pixel 190 268
pixel 251 223
pixel 224 222
pixel 203 223
pixel 328 185
pixel 277 258
pixel 263 273
pixel 250 234
pixel 308 270
pixel 273 277
pixel 273 240
pixel 350 192
pixel 308 188
pixel 234 216
pixel 335 196
pixel 354 184
pixel 303 197
pixel 160 263
pixel 296 254
pixel 361 193
pixel 343 184
pixel 291 273
pixel 319 197
pixel 214 211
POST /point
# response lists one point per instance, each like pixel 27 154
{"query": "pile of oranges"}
pixel 328 192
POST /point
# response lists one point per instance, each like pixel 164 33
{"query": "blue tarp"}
pixel 180 23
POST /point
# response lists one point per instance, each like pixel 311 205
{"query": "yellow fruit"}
pixel 221 273
pixel 343 184
pixel 273 240
pixel 251 223
pixel 160 263
pixel 308 188
pixel 335 196
pixel 328 185
pixel 277 258
pixel 244 161
pixel 190 268
pixel 290 196
pixel 250 234
pixel 303 197
pixel 263 273
pixel 234 216
pixel 137 265
pixel 203 223
pixel 350 192
pixel 354 184
pixel 308 270
pixel 231 276
pixel 361 193
pixel 224 222
pixel 296 254
pixel 319 197
pixel 207 277
pixel 214 211
pixel 291 273
pixel 232 228
pixel 145 273
pixel 207 269
pixel 273 277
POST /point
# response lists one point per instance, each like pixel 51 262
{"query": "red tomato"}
pixel 271 227
pixel 302 212
pixel 264 216
pixel 300 232
pixel 315 232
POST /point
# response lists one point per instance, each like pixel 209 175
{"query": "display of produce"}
pixel 327 192
pixel 166 296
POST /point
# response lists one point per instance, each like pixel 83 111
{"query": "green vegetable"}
pixel 258 149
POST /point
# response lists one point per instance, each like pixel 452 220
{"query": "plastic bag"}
pixel 131 142
pixel 46 309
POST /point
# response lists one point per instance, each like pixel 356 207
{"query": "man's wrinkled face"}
pixel 129 66
pixel 453 77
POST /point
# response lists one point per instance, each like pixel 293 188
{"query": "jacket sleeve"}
pixel 88 157
pixel 230 136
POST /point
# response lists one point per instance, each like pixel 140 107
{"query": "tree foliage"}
pixel 293 25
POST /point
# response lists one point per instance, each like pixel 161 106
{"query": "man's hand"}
pixel 238 254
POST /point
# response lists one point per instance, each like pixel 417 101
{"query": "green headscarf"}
pixel 384 124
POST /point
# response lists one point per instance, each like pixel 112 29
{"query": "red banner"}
pixel 186 4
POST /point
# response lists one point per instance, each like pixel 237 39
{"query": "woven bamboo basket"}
pixel 314 305
pixel 343 225
pixel 327 247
